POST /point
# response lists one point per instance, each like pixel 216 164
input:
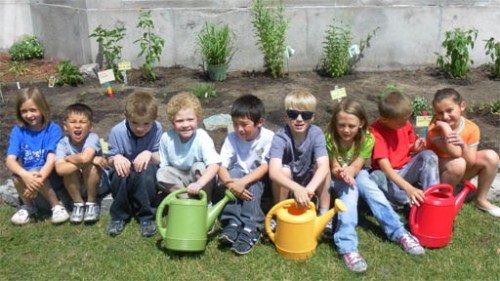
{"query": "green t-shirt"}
pixel 345 157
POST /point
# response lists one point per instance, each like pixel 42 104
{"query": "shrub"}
pixel 110 41
pixel 270 26
pixel 340 55
pixel 28 48
pixel 493 50
pixel 457 57
pixel 68 73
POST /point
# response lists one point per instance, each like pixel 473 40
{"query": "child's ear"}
pixel 463 106
pixel 260 123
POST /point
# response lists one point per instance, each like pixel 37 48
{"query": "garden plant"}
pixel 270 24
pixel 203 90
pixel 457 58
pixel 151 45
pixel 110 41
pixel 214 42
pixel 421 105
pixel 340 55
pixel 68 74
pixel 495 107
pixel 493 50
pixel 29 48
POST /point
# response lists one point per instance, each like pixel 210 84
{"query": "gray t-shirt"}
pixel 65 147
pixel 300 159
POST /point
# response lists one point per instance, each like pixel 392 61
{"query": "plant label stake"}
pixel 338 93
pixel 18 86
pixel 288 53
pixel 105 77
pixel 423 122
pixel 124 66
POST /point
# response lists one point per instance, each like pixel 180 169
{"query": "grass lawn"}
pixel 42 251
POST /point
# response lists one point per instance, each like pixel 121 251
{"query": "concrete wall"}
pixel 410 30
pixel 15 22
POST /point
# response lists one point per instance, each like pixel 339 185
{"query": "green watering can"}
pixel 188 220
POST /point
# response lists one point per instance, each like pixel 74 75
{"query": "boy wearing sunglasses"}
pixel 298 159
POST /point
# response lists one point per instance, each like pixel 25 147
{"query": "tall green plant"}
pixel 151 45
pixel 457 58
pixel 340 55
pixel 110 41
pixel 214 42
pixel 270 26
pixel 492 48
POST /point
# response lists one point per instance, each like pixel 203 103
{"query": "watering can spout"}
pixel 217 208
pixel 459 199
pixel 323 220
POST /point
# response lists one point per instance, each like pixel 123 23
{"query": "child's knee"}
pixel 487 158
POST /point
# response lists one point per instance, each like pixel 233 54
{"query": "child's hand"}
pixel 194 188
pixel 122 166
pixel 28 194
pixel 238 188
pixel 442 125
pixel 455 139
pixel 302 198
pixel 100 162
pixel 347 176
pixel 415 196
pixel 419 144
pixel 142 160
pixel 33 181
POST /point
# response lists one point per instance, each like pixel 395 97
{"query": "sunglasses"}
pixel 294 114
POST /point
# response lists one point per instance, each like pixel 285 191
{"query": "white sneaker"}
pixel 91 212
pixel 22 216
pixel 77 213
pixel 59 214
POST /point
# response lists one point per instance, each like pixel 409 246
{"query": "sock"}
pixel 322 211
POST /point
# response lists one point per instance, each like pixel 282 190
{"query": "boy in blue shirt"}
pixel 243 168
pixel 133 155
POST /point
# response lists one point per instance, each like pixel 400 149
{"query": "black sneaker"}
pixel 229 234
pixel 115 227
pixel 148 228
pixel 245 242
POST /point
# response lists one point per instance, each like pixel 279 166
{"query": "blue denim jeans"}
pixel 245 213
pixel 345 236
pixel 422 169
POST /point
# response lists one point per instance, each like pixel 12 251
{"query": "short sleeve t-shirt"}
pixel 246 156
pixel 123 141
pixel 392 144
pixel 468 131
pixel 300 159
pixel 32 147
pixel 65 147
pixel 199 148
pixel 345 157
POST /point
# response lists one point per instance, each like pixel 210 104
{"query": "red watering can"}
pixel 432 222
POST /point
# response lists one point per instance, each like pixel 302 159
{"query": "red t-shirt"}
pixel 392 144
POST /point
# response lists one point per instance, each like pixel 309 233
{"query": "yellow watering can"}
pixel 297 230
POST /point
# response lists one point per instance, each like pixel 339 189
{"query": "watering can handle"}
pixel 442 187
pixel 274 210
pixel 159 212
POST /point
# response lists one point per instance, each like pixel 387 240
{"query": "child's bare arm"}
pixel 415 195
pixel 82 158
pixel 210 172
pixel 318 179
pixel 277 175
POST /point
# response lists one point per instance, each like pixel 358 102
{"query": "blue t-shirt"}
pixel 122 141
pixel 32 147
pixel 65 147
pixel 300 159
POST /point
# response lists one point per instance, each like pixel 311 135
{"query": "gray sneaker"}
pixel 91 212
pixel 77 213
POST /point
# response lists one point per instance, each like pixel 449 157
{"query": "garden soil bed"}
pixel 478 91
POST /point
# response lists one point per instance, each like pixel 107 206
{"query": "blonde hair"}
pixel 141 105
pixel 32 93
pixel 183 100
pixel 394 105
pixel 300 100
